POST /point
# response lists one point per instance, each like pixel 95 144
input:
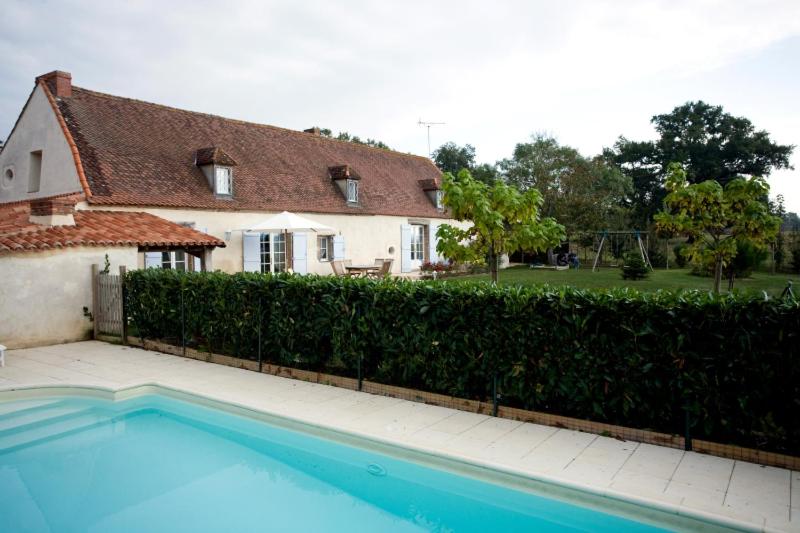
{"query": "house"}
pixel 88 177
pixel 222 176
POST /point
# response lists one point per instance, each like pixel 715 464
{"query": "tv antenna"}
pixel 428 125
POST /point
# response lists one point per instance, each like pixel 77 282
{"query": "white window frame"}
pixel 439 199
pixel 352 191
pixel 324 248
pixel 175 260
pixel 273 257
pixel 417 242
pixel 223 176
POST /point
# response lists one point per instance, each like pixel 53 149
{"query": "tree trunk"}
pixel 730 280
pixel 717 274
pixel 493 263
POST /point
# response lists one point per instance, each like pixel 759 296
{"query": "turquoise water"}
pixel 153 464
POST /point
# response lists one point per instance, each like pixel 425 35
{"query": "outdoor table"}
pixel 361 270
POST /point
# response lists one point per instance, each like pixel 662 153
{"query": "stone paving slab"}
pixel 765 497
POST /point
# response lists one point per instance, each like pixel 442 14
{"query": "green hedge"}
pixel 618 356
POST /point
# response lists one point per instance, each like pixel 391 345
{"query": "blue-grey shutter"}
pixel 198 263
pixel 152 259
pixel 338 247
pixel 299 253
pixel 405 248
pixel 433 255
pixel 251 252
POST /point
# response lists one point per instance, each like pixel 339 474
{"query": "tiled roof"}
pixel 105 228
pixel 143 154
pixel 213 155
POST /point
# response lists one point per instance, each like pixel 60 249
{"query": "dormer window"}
pixel 433 189
pixel 346 179
pixel 352 191
pixel 217 167
pixel 223 181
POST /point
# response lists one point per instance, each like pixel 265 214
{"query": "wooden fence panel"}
pixel 108 312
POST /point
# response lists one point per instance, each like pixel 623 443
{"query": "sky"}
pixel 495 72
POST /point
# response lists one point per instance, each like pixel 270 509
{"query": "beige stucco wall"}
pixel 37 129
pixel 366 237
pixel 42 294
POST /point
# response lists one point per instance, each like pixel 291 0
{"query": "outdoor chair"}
pixel 386 268
pixel 379 262
pixel 338 268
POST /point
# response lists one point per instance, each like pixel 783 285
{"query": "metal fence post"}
pixel 260 319
pixel 360 376
pixel 95 298
pixel 183 326
pixel 687 435
pixel 494 394
pixel 122 288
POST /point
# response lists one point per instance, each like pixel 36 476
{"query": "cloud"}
pixel 494 71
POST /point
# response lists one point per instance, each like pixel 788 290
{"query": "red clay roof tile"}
pixel 143 154
pixel 105 228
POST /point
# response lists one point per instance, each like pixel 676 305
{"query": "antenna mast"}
pixel 428 125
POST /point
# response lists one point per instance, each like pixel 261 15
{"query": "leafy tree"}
pixel 710 143
pixel 582 193
pixel 502 220
pixel 452 158
pixel 345 136
pixel 714 218
pixel 634 267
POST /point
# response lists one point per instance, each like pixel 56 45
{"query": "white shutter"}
pixel 152 259
pixel 433 255
pixel 251 252
pixel 198 263
pixel 338 247
pixel 405 248
pixel 299 253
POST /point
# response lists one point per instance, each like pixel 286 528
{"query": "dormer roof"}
pixel 343 172
pixel 213 156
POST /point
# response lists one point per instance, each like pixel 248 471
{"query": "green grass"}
pixel 673 279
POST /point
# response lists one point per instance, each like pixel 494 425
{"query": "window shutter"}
pixel 338 247
pixel 405 248
pixel 198 263
pixel 433 255
pixel 152 259
pixel 299 253
pixel 251 252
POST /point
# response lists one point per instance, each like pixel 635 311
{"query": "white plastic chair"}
pixel 2 355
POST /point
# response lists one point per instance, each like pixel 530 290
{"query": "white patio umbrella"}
pixel 289 222
pixel 286 223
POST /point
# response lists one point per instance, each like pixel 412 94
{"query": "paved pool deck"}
pixel 765 498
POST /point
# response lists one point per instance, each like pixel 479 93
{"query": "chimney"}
pixel 53 211
pixel 59 83
pixel 312 131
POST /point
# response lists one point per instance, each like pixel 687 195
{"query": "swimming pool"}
pixel 154 463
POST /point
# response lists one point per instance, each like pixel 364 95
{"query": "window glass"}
pixel 266 255
pixel 273 252
pixel 166 260
pixel 223 180
pixel 417 242
pixel 324 248
pixel 352 191
pixel 439 197
pixel 180 260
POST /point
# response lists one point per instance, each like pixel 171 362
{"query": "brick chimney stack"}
pixel 59 83
pixel 53 211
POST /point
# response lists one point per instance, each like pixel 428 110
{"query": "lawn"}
pixel 673 279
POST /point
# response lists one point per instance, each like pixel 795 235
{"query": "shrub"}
pixel 616 356
pixel 634 267
pixel 795 264
pixel 680 259
pixel 657 258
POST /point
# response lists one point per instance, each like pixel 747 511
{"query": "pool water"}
pixel 157 464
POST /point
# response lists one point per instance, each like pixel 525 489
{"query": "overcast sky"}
pixel 494 71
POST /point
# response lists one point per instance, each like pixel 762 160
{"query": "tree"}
pixel 502 220
pixel 452 158
pixel 714 218
pixel 584 194
pixel 711 145
pixel 345 136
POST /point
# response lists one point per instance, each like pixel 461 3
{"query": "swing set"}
pixel 620 242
